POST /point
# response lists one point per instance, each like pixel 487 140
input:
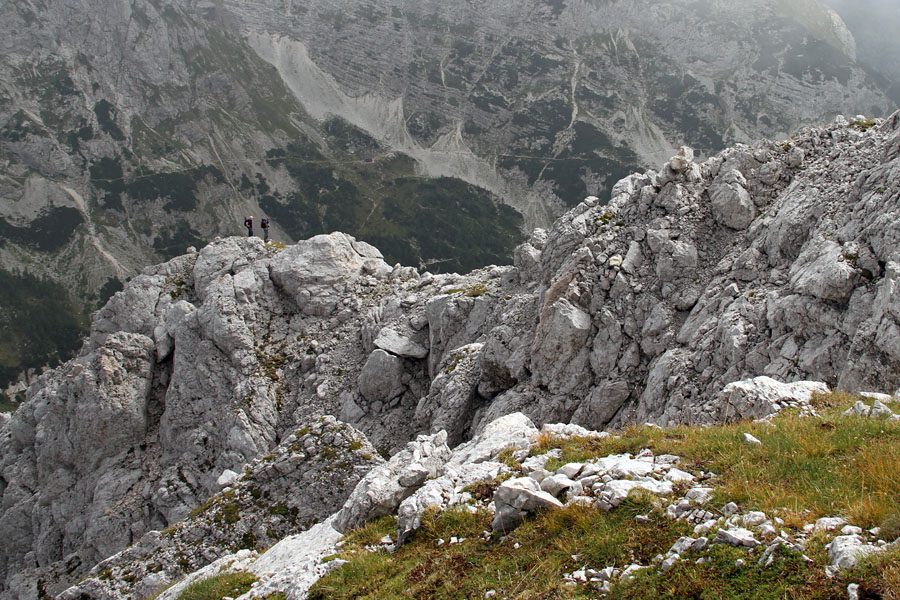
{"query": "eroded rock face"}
pixel 384 488
pixel 302 481
pixel 640 310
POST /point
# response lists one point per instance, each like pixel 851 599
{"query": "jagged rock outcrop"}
pixel 384 488
pixel 133 132
pixel 300 483
pixel 207 362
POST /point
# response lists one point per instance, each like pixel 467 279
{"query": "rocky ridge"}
pixel 777 259
pixel 129 134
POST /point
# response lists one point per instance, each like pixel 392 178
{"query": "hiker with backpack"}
pixel 248 223
pixel 265 226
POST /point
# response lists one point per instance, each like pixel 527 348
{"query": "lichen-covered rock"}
pixel 301 482
pixel 383 488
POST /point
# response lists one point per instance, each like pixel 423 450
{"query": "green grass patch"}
pixel 219 586
pixel 528 563
pixel 805 468
pixel 828 465
pixel 788 577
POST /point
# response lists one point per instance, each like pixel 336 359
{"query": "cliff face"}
pixel 778 259
pixel 565 97
pixel 130 134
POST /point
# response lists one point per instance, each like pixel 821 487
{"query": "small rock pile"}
pixel 878 409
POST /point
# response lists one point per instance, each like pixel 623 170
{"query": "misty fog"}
pixel 875 25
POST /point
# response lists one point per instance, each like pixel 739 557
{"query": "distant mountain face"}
pixel 874 24
pixel 130 133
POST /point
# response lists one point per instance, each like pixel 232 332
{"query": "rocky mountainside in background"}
pixel 873 23
pixel 778 259
pixel 130 134
pixel 563 98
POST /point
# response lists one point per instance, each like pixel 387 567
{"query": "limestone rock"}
pixel 452 393
pixel 310 271
pixel 442 493
pixel 731 203
pixel 750 440
pixel 513 431
pixel 736 536
pixel 391 341
pixel 845 551
pixel 825 273
pixel 381 377
pixel 559 353
pixel 763 396
pixel 517 497
pixel 380 492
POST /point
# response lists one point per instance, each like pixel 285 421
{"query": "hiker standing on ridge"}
pixel 248 223
pixel 265 226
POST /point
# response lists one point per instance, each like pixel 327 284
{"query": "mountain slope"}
pixel 128 136
pixel 776 260
pixel 568 95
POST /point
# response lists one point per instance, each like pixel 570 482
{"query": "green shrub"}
pixel 219 586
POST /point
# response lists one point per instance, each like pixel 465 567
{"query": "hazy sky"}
pixel 886 5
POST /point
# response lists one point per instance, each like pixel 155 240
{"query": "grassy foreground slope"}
pixel 806 467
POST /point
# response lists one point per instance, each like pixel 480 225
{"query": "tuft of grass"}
pixel 214 588
pixel 878 575
pixel 788 577
pixel 202 508
pixel 451 366
pixel 506 457
pixel 231 512
pixel 890 528
pixel 479 289
pixel 473 291
pixel 370 533
pixel 606 218
pixel 863 124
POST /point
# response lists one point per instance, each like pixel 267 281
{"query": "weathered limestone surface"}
pixel 210 361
